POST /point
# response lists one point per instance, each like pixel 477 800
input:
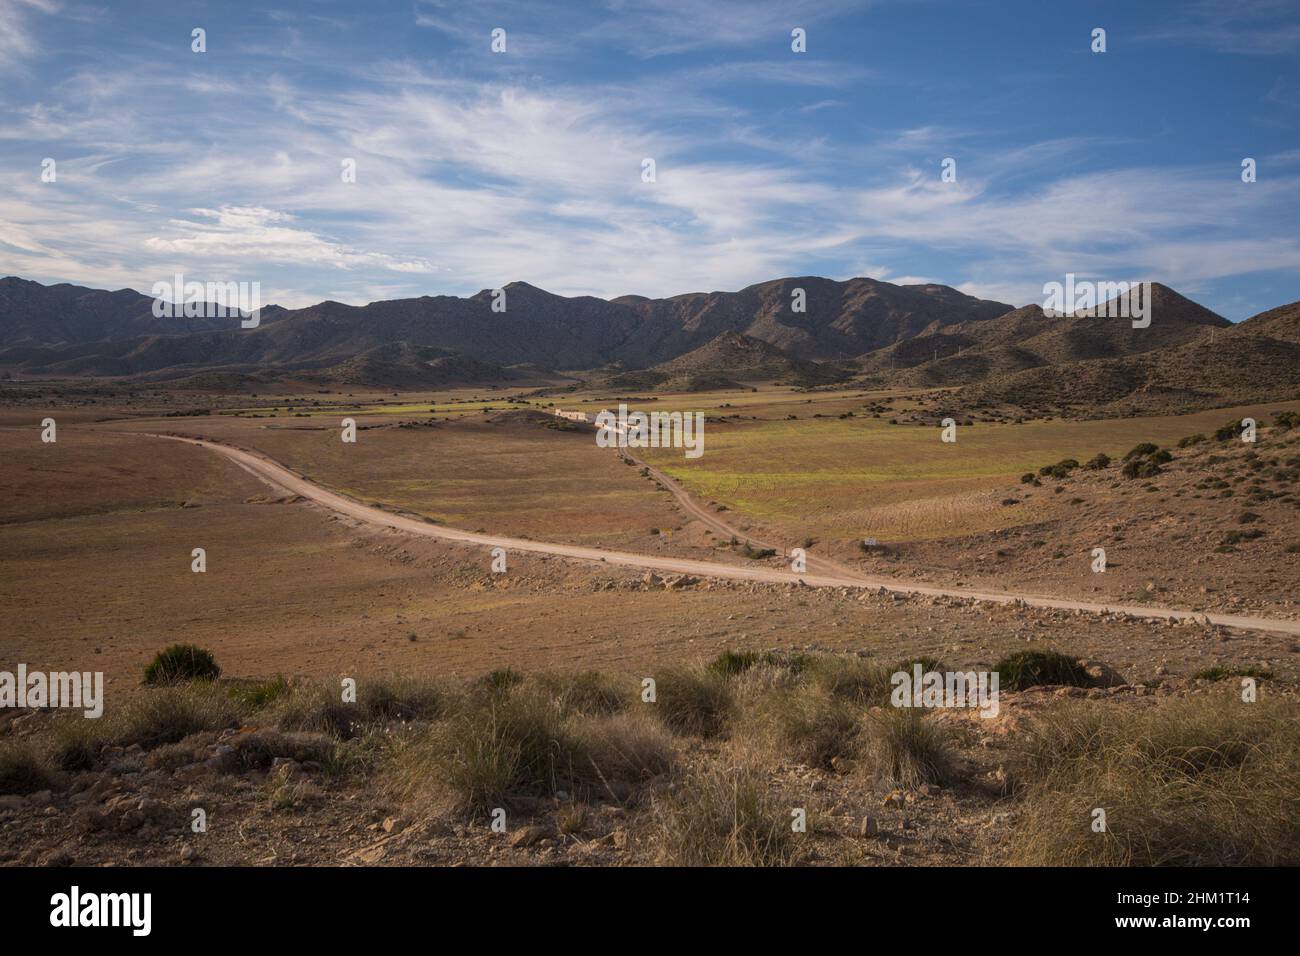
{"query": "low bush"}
pixel 1141 451
pixel 1037 668
pixel 181 663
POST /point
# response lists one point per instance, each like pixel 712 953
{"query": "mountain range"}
pixel 860 330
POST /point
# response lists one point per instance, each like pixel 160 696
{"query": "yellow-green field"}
pixel 826 477
pixel 864 477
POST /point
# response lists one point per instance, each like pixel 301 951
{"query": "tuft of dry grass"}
pixel 903 748
pixel 724 816
pixel 170 714
pixel 622 749
pixel 862 682
pixel 502 746
pixel 1207 781
pixel 319 707
pixel 694 701
pixel 587 692
pixel 158 717
pixel 23 770
pixel 804 723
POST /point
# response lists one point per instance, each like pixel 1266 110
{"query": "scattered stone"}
pixel 527 836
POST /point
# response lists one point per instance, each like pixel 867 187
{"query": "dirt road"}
pixel 828 575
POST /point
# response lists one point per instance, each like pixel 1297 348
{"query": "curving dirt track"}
pixel 823 573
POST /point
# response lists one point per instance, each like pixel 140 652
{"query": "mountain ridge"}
pixel 840 320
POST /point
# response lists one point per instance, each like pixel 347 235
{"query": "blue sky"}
pixel 475 169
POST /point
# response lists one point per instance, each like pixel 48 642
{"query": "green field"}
pixel 862 476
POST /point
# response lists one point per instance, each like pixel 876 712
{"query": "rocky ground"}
pixel 276 797
pixel 1216 528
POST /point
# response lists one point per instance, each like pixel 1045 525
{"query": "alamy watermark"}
pixel 922 688
pixel 654 430
pixel 75 690
pixel 1122 300
pixel 75 908
pixel 211 300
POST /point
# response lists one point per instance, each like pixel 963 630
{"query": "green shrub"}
pixel 258 694
pixel 1141 451
pixel 181 663
pixel 1059 470
pixel 1037 668
pixel 731 663
pixel 1097 462
pixel 1140 468
pixel 1228 432
pixel 1236 537
pixel 1286 420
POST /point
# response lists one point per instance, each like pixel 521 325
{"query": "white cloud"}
pixel 463 185
pixel 16 41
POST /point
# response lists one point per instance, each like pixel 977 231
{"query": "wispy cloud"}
pixel 474 170
pixel 1254 27
pixel 17 44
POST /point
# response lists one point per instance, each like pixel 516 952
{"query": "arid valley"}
pixel 373 560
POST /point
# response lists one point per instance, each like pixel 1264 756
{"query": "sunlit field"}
pixel 865 477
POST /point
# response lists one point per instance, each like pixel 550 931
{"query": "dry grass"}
pixel 806 724
pixel 902 748
pixel 694 701
pixel 1206 781
pixel 23 770
pixel 525 741
pixel 163 716
pixel 1200 780
pixel 320 708
pixel 587 692
pixel 724 816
